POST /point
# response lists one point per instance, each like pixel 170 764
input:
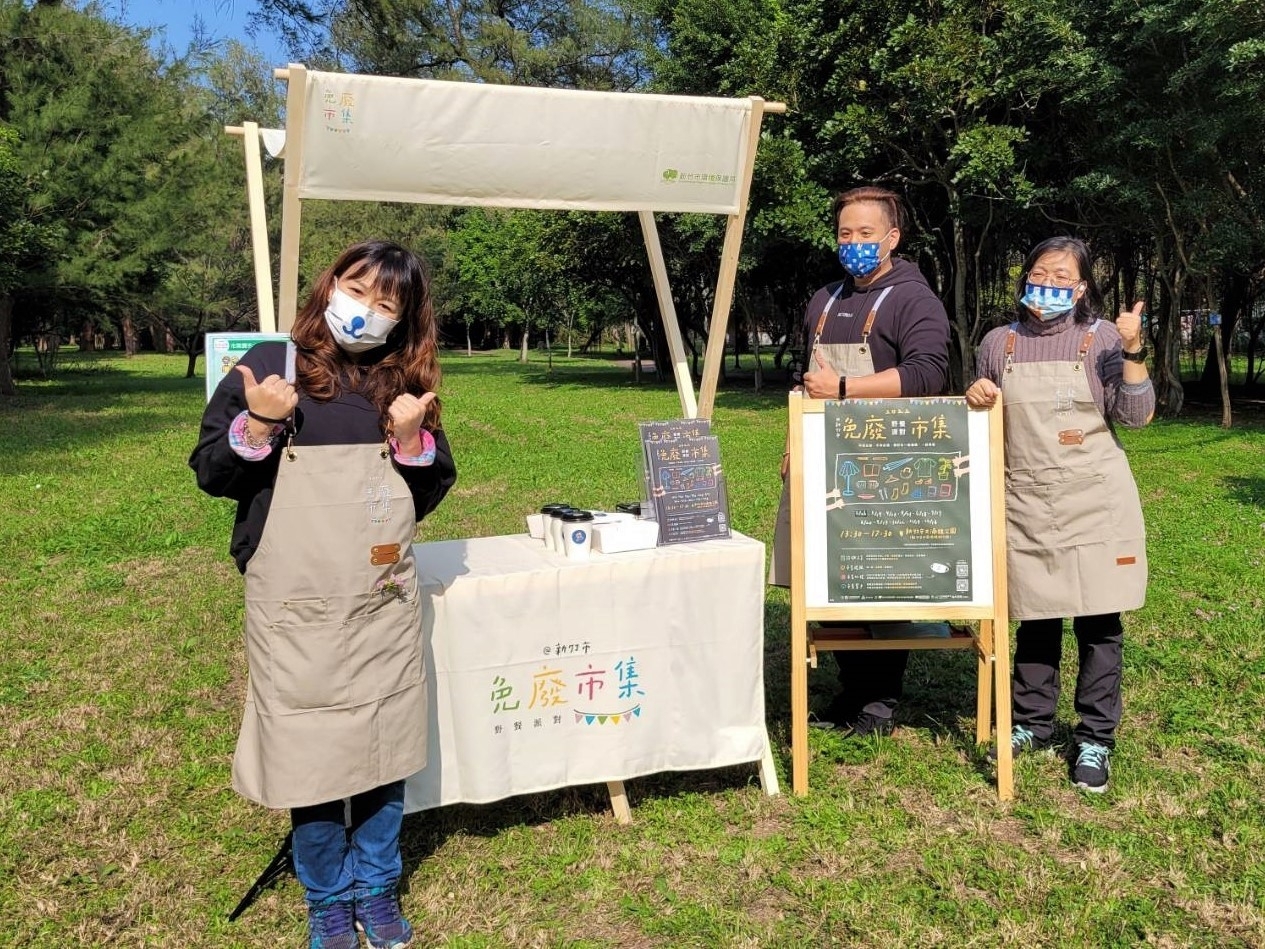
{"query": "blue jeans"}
pixel 337 862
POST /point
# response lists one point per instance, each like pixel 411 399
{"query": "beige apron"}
pixel 848 360
pixel 336 702
pixel 1076 543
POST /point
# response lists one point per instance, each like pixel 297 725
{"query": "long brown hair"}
pixel 407 362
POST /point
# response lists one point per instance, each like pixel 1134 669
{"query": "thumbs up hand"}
pixel 274 398
pixel 1129 323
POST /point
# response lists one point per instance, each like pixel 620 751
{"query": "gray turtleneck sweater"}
pixel 1059 340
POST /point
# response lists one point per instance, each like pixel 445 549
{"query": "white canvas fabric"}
pixel 549 672
pixel 377 138
pixel 274 141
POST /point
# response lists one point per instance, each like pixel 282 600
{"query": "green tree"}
pixel 104 136
pixel 22 244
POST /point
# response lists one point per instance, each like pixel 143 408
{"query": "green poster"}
pixel 898 511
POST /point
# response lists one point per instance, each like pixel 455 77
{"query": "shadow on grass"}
pixel 736 388
pixel 1246 490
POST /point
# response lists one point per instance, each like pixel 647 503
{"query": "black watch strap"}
pixel 843 388
pixel 1139 356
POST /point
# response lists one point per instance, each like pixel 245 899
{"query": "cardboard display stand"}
pixel 897 514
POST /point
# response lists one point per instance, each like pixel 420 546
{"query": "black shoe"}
pixel 1092 768
pixel 838 714
pixel 867 724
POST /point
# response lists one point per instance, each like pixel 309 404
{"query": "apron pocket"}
pixel 1053 509
pixel 385 650
pixel 309 664
pixel 1083 512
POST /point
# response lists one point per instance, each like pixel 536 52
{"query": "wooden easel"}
pixel 991 641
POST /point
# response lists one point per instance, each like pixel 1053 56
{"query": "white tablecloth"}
pixel 546 672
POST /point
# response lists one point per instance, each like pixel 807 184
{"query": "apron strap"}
pixel 869 320
pixel 1086 341
pixel 821 320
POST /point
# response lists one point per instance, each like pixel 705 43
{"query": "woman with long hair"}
pixel 332 465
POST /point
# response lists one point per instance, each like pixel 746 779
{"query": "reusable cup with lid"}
pixel 553 529
pixel 577 531
pixel 536 522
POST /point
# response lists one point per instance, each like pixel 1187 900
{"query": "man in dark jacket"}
pixel 879 333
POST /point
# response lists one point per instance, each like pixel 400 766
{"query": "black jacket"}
pixel 349 419
pixel 911 333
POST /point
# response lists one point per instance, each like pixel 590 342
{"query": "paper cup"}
pixel 577 530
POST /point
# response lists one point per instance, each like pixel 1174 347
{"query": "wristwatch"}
pixel 843 388
pixel 1139 356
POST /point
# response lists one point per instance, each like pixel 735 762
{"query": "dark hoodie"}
pixel 911 332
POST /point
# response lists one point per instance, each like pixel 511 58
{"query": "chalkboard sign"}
pixel 685 480
pixel 891 513
pixel 898 517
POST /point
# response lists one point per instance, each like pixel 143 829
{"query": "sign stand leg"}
pixel 619 802
pixel 768 773
pixel 280 865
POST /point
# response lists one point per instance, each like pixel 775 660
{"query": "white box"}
pixel 536 522
pixel 616 536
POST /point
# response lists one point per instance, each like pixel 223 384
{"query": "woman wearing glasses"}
pixel 1076 543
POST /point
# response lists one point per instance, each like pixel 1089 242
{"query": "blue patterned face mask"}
pixel 861 259
pixel 1046 303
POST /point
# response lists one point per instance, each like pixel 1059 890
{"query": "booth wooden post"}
pixel 291 206
pixel 667 313
pixel 991 642
pixel 723 302
pixel 258 225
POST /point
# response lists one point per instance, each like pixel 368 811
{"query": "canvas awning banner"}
pixel 375 138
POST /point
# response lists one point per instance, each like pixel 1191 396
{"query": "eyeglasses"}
pixel 1060 278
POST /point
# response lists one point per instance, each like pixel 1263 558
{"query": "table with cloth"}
pixel 547 672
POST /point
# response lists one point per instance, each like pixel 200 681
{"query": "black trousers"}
pixel 872 680
pixel 1038 652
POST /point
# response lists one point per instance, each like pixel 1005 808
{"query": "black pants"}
pixel 1038 651
pixel 872 680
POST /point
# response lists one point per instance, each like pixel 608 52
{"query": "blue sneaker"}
pixel 379 916
pixel 1092 767
pixel 1021 740
pixel 331 925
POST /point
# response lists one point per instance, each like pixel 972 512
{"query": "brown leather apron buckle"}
pixel 382 554
pixel 1072 436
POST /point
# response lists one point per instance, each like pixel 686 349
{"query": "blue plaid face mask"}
pixel 1048 302
pixel 861 259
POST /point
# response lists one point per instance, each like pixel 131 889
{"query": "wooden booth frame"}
pixel 990 641
pixel 281 315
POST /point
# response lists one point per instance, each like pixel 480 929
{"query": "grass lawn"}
pixel 122 675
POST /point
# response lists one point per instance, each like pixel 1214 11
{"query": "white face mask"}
pixel 354 326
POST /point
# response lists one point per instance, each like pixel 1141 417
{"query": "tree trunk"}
pixel 522 352
pixel 192 368
pixel 960 366
pixel 1225 380
pixel 7 386
pixel 1233 299
pixel 129 335
pixel 1169 395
